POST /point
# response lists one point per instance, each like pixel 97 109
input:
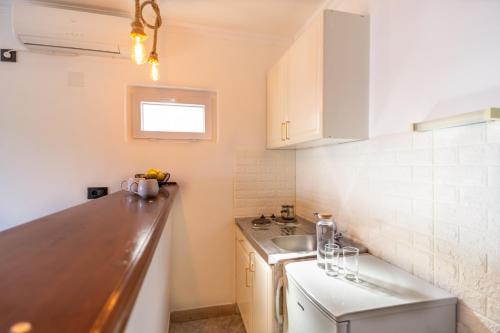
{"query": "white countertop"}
pixel 382 287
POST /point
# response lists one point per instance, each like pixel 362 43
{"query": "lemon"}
pixel 152 171
pixel 160 176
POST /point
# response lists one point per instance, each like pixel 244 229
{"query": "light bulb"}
pixel 138 51
pixel 155 72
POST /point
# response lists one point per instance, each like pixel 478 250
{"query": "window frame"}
pixel 139 94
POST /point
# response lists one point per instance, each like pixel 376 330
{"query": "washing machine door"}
pixel 305 317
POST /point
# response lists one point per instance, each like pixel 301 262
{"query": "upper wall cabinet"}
pixel 318 90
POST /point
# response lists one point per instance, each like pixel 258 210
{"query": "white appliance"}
pixel 387 299
pixel 60 28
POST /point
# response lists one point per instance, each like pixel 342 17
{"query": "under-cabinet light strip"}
pixel 463 119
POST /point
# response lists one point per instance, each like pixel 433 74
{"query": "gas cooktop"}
pixel 263 222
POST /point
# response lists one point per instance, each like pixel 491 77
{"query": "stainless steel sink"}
pixel 296 243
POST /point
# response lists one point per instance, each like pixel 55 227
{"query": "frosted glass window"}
pixel 172 117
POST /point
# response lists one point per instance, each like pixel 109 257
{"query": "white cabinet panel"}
pixel 244 286
pixel 318 91
pixel 276 116
pixel 262 296
pixel 304 102
pixel 254 283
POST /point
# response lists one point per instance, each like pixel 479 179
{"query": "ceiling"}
pixel 273 18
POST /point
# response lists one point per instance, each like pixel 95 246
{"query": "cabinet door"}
pixel 244 286
pixel 304 100
pixel 276 103
pixel 262 296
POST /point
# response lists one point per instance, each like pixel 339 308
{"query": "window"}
pixel 172 113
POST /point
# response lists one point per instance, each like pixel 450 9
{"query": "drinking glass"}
pixel 351 263
pixel 332 255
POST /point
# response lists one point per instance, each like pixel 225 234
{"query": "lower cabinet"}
pixel 244 286
pixel 254 294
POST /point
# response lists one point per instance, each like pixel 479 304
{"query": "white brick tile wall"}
pixel 475 322
pixel 473 299
pixel 494 176
pixel 493 130
pixel 423 242
pixel 461 175
pixel 428 202
pixel 492 154
pixel 446 193
pixel 446 156
pixel 473 216
pixel 263 180
pixel 423 140
pixel 473 155
pixel 460 136
pixel 494 221
pixel 493 311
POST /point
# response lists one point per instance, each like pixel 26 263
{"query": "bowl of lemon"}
pixel 161 176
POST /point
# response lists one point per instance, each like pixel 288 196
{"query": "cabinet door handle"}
pixel 247 270
pixel 251 259
pixel 287 137
pixel 283 138
pixel 278 301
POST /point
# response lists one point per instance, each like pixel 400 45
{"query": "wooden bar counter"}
pixel 80 270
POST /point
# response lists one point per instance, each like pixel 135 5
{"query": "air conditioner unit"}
pixel 64 29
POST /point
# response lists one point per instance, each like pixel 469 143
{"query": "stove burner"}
pixel 261 223
pixel 282 221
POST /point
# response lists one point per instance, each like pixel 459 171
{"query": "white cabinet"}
pixel 244 286
pixel 318 90
pixel 276 116
pixel 304 103
pixel 253 288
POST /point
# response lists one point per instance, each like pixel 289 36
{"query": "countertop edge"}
pixel 253 242
pixel 114 316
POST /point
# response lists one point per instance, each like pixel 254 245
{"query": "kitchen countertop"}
pixel 261 240
pixel 80 270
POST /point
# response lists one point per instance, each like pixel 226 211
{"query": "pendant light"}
pixel 139 35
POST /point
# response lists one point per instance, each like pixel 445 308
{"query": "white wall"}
pixel 425 202
pixel 59 135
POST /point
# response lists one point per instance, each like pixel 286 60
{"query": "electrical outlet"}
pixel 8 55
pixel 96 192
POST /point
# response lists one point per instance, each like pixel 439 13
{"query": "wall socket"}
pixel 96 192
pixel 8 55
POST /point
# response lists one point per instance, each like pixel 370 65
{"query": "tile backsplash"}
pixel 427 202
pixel 263 181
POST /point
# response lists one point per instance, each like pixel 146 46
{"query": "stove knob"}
pixel 262 216
pixel 273 216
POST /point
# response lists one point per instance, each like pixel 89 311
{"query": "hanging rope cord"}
pixel 158 21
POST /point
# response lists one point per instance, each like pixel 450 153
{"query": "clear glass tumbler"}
pixel 351 263
pixel 332 261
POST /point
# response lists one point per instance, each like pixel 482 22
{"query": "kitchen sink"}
pixel 296 243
